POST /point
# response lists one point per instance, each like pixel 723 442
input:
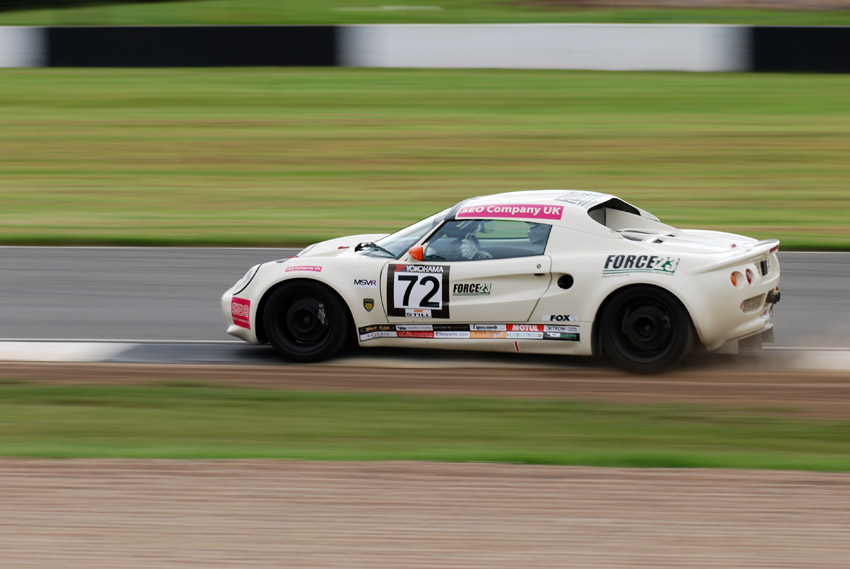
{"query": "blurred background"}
pixel 287 155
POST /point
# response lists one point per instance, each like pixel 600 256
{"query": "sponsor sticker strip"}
pixel 472 331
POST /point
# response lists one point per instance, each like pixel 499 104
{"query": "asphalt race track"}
pixel 162 304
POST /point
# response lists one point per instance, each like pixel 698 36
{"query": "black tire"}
pixel 645 330
pixel 305 321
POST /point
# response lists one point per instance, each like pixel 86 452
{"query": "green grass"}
pixel 290 156
pixel 184 421
pixel 402 11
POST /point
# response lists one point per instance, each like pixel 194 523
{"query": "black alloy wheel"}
pixel 645 329
pixel 305 321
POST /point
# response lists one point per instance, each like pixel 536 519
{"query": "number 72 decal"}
pixel 418 291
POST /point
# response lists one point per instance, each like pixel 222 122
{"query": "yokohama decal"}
pixel 240 309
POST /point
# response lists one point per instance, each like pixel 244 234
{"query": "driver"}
pixel 470 249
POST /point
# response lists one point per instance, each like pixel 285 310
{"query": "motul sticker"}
pixel 525 328
pixel 240 310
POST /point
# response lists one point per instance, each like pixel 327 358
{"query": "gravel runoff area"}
pixel 157 513
pixel 259 513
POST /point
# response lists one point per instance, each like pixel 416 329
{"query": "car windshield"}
pixel 399 242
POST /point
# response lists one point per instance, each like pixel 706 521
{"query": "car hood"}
pixel 333 247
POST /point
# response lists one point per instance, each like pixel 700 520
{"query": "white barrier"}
pixel 616 47
pixel 22 47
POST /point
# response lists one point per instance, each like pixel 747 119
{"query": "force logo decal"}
pixel 625 264
pixel 471 289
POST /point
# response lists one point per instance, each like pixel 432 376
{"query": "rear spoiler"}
pixel 743 256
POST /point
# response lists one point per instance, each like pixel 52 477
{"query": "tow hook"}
pixel 773 297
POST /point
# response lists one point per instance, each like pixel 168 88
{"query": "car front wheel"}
pixel 305 321
pixel 645 330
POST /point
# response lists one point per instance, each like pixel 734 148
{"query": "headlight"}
pixel 246 280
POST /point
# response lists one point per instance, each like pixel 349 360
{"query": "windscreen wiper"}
pixel 374 246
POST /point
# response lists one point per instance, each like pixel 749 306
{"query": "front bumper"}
pixel 239 316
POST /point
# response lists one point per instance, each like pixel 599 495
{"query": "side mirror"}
pixel 417 252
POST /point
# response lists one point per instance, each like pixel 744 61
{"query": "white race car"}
pixel 546 272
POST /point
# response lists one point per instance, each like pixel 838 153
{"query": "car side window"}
pixel 474 240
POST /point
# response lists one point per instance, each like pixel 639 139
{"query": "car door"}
pixel 502 282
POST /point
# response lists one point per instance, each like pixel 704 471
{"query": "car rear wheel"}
pixel 645 330
pixel 305 322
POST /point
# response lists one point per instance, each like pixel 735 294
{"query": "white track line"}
pixel 41 350
pixel 60 351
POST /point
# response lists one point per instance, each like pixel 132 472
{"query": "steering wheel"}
pixel 482 254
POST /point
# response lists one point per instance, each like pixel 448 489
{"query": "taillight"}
pixel 735 280
pixel 775 249
pixel 749 276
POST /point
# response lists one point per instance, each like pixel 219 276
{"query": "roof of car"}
pixel 543 205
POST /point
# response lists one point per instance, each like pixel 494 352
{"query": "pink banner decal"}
pixel 310 268
pixel 240 309
pixel 521 211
